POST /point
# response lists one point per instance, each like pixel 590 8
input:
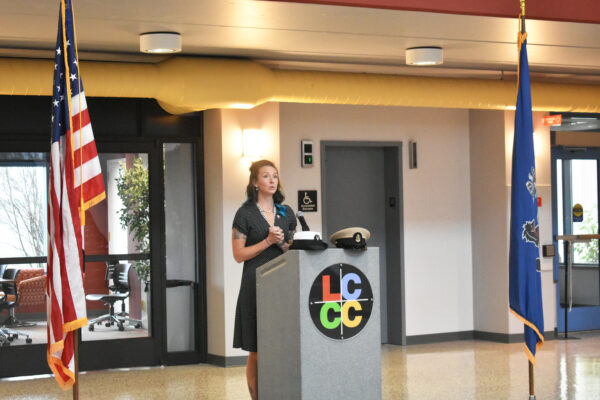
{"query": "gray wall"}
pixel 489 230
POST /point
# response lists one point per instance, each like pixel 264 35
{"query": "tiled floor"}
pixel 453 370
pixel 38 333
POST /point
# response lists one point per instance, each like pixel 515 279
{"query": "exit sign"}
pixel 553 120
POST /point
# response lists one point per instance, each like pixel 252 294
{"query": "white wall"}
pixel 492 134
pixel 437 225
pixel 446 223
pixel 226 177
pixel 489 229
pixel 213 196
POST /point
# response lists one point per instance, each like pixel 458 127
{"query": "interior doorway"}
pixel 575 178
pixel 362 186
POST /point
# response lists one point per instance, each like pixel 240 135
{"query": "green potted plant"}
pixel 132 189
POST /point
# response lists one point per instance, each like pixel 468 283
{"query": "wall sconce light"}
pixel 160 42
pixel 253 143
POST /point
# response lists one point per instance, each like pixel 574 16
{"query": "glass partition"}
pixel 117 244
pixel 23 246
pixel 584 189
pixel 180 244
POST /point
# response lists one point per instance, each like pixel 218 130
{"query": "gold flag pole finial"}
pixel 522 16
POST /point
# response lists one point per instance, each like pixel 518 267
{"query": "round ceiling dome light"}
pixel 424 56
pixel 160 42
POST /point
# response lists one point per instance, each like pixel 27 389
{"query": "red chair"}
pixel 28 290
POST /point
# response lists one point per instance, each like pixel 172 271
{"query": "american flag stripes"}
pixel 75 184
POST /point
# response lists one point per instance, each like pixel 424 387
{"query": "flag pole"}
pixel 75 388
pixel 76 362
pixel 531 385
pixel 77 332
pixel 531 372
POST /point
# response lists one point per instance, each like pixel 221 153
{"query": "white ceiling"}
pixel 289 35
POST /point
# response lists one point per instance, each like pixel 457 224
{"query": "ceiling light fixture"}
pixel 160 42
pixel 424 56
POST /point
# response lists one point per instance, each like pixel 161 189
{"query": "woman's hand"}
pixel 276 235
pixel 242 253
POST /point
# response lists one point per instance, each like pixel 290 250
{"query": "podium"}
pixel 319 325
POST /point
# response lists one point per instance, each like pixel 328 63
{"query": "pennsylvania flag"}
pixel 525 292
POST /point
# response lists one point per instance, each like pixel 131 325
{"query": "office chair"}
pixel 28 290
pixel 4 335
pixel 119 291
pixel 11 295
pixel 9 299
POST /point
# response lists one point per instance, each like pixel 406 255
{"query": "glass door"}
pixel 575 177
pixel 183 333
pixel 121 262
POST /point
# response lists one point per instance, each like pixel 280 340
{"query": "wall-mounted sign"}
pixel 553 120
pixel 307 200
pixel 340 301
pixel 577 213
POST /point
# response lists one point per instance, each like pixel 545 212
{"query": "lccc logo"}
pixel 340 301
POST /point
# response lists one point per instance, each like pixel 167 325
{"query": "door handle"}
pixel 178 282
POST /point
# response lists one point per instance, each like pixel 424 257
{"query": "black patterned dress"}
pixel 249 221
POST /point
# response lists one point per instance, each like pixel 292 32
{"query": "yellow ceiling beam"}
pixel 184 84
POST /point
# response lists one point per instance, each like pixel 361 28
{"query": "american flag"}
pixel 75 184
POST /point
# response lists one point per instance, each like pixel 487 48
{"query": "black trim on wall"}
pixel 440 337
pixel 473 335
pixel 221 361
pixel 29 359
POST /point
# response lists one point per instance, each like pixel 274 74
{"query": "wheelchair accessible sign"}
pixel 307 200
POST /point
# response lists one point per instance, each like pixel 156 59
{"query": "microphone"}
pixel 300 216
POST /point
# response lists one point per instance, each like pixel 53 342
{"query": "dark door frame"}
pixel 200 319
pixel 580 318
pixel 396 312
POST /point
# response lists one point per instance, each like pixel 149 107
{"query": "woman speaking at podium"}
pixel 263 229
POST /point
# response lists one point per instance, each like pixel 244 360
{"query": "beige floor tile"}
pixel 566 370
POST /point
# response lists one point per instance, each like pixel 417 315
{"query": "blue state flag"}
pixel 525 292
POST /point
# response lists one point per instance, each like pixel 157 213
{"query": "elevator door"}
pixel 361 188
